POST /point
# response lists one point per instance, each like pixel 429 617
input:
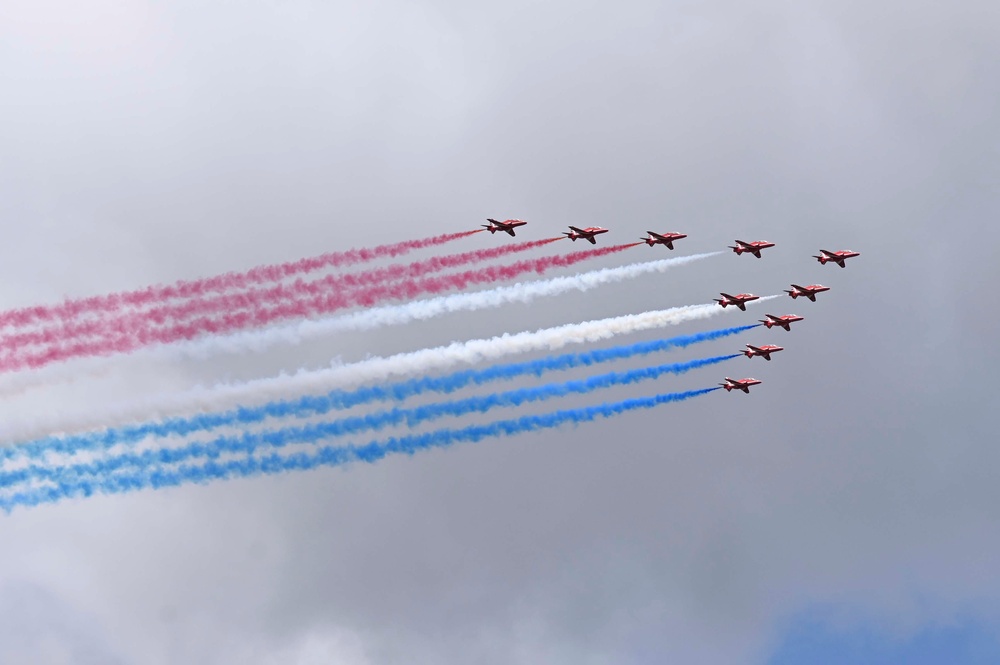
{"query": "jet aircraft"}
pixel 782 321
pixel 836 257
pixel 751 247
pixel 587 233
pixel 739 300
pixel 662 239
pixel 764 351
pixel 507 225
pixel 739 384
pixel 807 291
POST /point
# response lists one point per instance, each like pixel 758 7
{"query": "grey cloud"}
pixel 152 143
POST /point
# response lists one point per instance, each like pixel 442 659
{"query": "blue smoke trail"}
pixel 342 399
pixel 247 443
pixel 158 478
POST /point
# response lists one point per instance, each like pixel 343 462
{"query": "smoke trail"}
pixel 296 333
pixel 134 322
pixel 322 304
pixel 343 399
pixel 185 289
pixel 321 404
pixel 69 486
pixel 389 315
pixel 353 425
pixel 356 424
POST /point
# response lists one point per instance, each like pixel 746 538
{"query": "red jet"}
pixel 739 384
pixel 836 257
pixel 807 291
pixel 508 225
pixel 783 321
pixel 751 247
pixel 764 351
pixel 587 233
pixel 662 239
pixel 740 300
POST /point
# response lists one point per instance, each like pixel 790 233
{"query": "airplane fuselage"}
pixel 662 238
pixel 588 233
pixel 781 321
pixel 807 291
pixel 737 301
pixel 764 351
pixel 506 226
pixel 750 247
pixel 739 384
pixel 826 256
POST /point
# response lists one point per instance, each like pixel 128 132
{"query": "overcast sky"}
pixel 144 142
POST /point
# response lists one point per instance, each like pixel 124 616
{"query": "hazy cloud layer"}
pixel 145 143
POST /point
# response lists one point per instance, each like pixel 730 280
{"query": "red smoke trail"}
pixel 113 302
pixel 435 285
pixel 129 323
pixel 129 340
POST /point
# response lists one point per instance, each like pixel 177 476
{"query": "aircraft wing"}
pixel 828 253
pixel 744 244
pixel 510 232
pixel 800 288
pixel 576 229
pixel 656 235
pixel 592 240
pixel 727 296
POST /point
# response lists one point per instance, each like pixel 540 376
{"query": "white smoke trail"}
pixel 393 315
pixel 257 341
pixel 226 396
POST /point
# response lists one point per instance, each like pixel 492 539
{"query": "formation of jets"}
pixel 739 300
pixel 741 247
